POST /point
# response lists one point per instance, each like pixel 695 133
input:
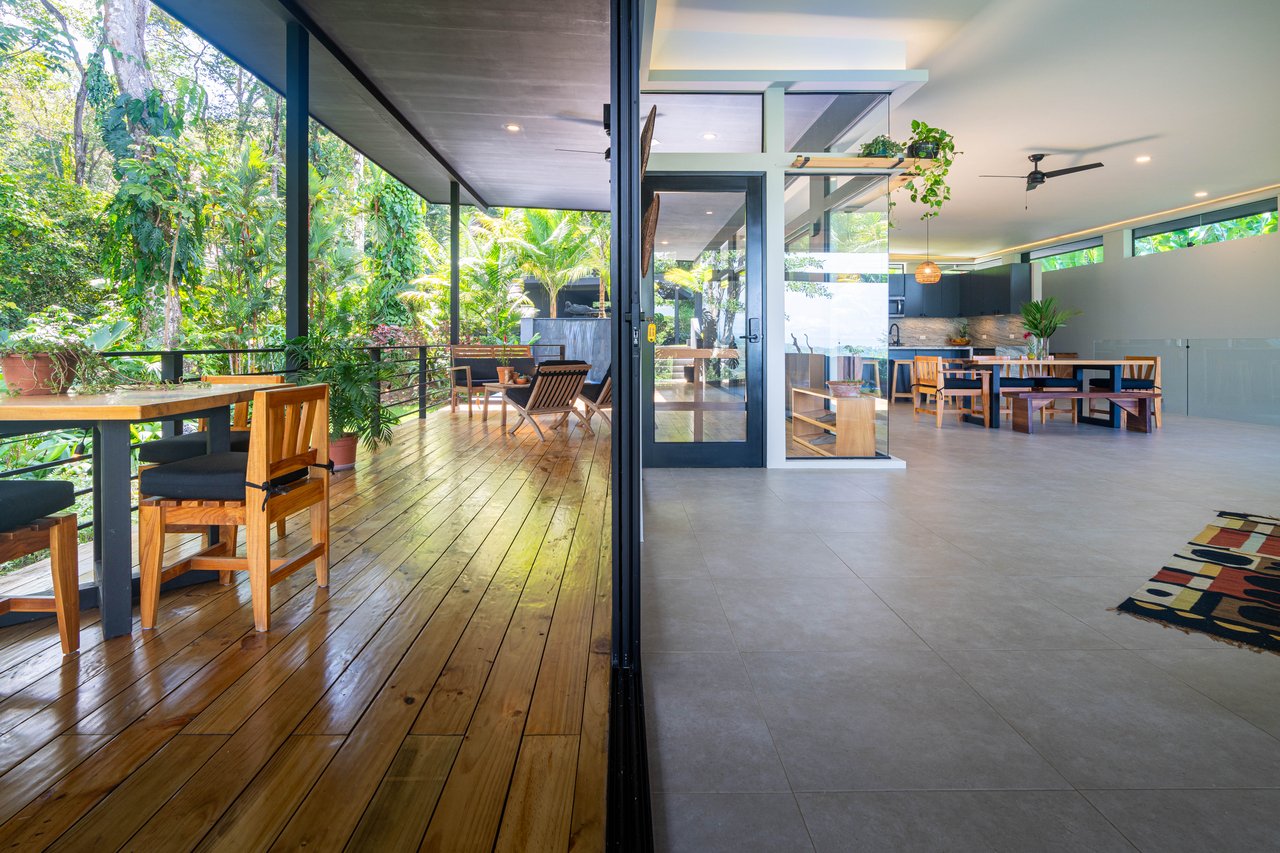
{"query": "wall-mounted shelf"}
pixel 810 161
pixel 846 427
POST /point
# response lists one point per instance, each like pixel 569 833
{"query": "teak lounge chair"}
pixel 554 390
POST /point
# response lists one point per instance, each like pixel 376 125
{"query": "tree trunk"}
pixel 125 25
pixel 358 227
pixel 79 146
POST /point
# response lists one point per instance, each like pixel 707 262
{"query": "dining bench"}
pixel 1138 406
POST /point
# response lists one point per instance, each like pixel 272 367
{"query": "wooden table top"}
pixel 1072 362
pixel 127 404
pixel 693 352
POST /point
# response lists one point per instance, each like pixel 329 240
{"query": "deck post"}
pixel 296 190
pixel 455 280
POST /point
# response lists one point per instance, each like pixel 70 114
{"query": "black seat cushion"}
pixel 1057 382
pixel 1017 382
pixel 482 370
pixel 520 395
pixel 177 447
pixel 524 366
pixel 23 501
pixel 955 382
pixel 212 477
pixel 1104 384
pixel 591 390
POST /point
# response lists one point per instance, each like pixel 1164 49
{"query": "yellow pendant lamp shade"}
pixel 928 273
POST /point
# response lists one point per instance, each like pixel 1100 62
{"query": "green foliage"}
pixel 881 146
pixel 1066 260
pixel 396 231
pixel 930 188
pixel 353 377
pixel 1215 232
pixel 559 251
pixel 1043 317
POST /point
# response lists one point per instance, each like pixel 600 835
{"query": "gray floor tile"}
pixel 668 556
pixel 705 730
pixel 879 720
pixel 683 615
pixel 965 613
pixel 958 821
pixel 732 823
pixel 907 553
pixel 1194 821
pixel 1109 719
pixel 785 555
pixel 810 614
pixel 1243 681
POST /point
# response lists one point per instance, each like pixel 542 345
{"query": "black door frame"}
pixel 721 454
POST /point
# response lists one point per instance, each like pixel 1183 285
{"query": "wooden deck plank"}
pixel 457 551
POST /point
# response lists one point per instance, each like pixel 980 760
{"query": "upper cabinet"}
pixel 995 290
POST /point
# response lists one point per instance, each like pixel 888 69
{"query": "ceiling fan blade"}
pixel 581 151
pixel 1019 177
pixel 1056 172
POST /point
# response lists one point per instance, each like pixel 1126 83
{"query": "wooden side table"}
pixel 499 388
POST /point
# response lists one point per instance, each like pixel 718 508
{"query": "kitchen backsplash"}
pixel 1000 330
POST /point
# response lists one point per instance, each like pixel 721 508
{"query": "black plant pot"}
pixel 923 150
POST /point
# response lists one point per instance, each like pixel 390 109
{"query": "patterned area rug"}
pixel 1225 582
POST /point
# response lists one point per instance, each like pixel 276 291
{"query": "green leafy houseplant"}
pixel 1041 318
pixel 881 146
pixel 960 334
pixel 930 185
pixel 55 350
pixel 354 378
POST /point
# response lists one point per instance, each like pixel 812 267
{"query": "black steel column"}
pixel 455 281
pixel 629 824
pixel 296 202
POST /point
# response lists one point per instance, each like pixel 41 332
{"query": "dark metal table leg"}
pixel 1117 374
pixel 994 402
pixel 114 527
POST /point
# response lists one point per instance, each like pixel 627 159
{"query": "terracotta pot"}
pixel 845 389
pixel 522 380
pixel 41 374
pixel 506 373
pixel 342 452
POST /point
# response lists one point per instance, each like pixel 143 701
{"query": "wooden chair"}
pixel 285 471
pixel 598 396
pixel 933 380
pixel 178 447
pixel 1059 378
pixel 554 390
pixel 31 519
pixel 1142 375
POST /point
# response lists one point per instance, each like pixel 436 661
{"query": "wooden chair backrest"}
pixel 1064 371
pixel 557 386
pixel 1140 370
pixel 497 351
pixel 606 393
pixel 928 371
pixel 240 411
pixel 290 431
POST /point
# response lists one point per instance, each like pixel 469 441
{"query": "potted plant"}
pixel 53 351
pixel 929 186
pixel 960 335
pixel 1041 318
pixel 881 146
pixel 355 401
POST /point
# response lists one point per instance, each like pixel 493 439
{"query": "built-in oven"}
pixel 897 306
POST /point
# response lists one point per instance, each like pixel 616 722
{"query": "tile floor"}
pixel 924 660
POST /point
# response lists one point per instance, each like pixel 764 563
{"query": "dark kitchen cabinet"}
pixel 913 293
pixel 943 299
pixel 996 290
pixel 897 285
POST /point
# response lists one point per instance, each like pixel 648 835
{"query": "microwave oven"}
pixel 897 306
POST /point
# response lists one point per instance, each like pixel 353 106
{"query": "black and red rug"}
pixel 1225 582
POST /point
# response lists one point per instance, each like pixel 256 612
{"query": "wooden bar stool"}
pixel 894 393
pixel 31 519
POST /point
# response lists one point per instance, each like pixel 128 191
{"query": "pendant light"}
pixel 927 272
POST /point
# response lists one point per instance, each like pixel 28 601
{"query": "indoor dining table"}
pixel 1112 366
pixel 109 416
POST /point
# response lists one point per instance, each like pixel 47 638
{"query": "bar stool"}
pixel 894 393
pixel 31 519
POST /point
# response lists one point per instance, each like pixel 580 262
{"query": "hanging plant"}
pixel 930 185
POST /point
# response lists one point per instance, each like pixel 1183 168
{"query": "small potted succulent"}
pixel 355 401
pixel 41 358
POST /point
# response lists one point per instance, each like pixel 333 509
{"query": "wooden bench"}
pixel 1137 405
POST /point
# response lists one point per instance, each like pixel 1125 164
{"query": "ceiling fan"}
pixel 1035 177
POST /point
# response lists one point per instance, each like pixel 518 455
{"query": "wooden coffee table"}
pixel 499 388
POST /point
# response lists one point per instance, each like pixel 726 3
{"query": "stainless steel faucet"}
pixel 894 332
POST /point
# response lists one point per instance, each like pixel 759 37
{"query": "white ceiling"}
pixel 1189 84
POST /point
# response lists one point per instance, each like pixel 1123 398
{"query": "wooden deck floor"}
pixel 447 692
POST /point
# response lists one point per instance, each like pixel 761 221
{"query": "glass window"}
pixel 840 122
pixel 1065 255
pixel 1232 223
pixel 836 316
pixel 699 123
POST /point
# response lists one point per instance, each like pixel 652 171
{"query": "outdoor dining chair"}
pixel 32 519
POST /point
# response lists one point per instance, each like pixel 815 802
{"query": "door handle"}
pixel 753 331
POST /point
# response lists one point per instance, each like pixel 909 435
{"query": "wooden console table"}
pixel 847 430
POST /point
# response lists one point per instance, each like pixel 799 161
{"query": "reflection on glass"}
pixel 837 297
pixel 699 297
pixel 839 122
pixel 692 123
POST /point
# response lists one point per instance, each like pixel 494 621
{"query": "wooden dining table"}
pixel 1112 366
pixel 109 416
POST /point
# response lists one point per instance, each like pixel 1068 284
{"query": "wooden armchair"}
pixel 554 390
pixel 598 396
pixel 285 471
pixel 31 519
pixel 933 380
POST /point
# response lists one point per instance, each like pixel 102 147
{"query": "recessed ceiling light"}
pixel 710 212
pixel 512 128
pixel 1201 194
pixel 1145 158
pixel 666 242
pixel 708 136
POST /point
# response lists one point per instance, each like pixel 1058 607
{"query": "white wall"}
pixel 1218 290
